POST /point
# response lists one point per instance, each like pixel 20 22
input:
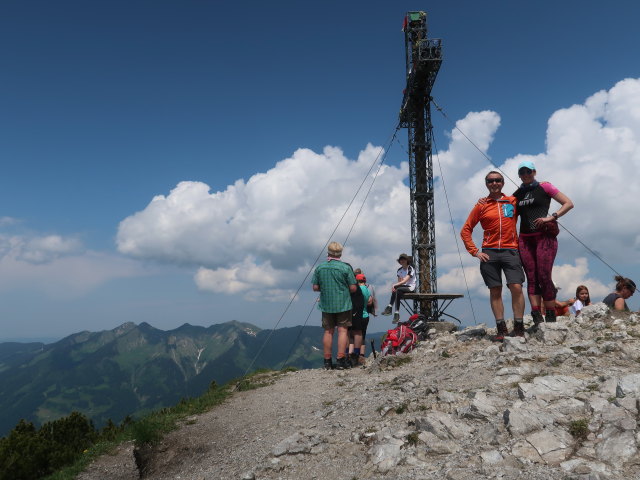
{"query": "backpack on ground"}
pixel 401 339
pixel 418 323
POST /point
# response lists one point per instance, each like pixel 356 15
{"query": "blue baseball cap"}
pixel 526 164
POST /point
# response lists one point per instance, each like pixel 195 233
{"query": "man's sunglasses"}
pixel 494 180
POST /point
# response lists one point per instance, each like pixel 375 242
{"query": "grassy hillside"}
pixel 133 369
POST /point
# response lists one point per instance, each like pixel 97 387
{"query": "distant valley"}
pixel 136 368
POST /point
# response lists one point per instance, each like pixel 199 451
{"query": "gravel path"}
pixel 239 436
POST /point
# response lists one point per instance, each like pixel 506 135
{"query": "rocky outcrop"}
pixel 562 403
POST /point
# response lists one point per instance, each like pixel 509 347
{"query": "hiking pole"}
pixel 373 349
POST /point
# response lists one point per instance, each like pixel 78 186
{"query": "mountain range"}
pixel 133 369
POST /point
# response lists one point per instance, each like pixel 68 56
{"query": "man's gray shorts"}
pixel 501 260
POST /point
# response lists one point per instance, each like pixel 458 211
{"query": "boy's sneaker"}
pixel 387 310
pixel 518 329
pixel 342 364
pixel 353 360
pixel 396 317
pixel 502 331
pixel 328 364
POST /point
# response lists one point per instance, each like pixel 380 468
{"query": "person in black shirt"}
pixel 625 288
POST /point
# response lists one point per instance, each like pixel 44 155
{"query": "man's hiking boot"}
pixel 550 317
pixel 362 360
pixel 387 310
pixel 396 317
pixel 518 329
pixel 342 364
pixel 328 364
pixel 502 331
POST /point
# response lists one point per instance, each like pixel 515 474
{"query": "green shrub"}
pixel 412 439
pixel 27 453
pixel 61 449
pixel 579 429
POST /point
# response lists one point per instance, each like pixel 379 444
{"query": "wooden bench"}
pixel 441 300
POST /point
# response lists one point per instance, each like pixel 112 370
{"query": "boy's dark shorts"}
pixel 501 260
pixel 341 319
pixel 359 323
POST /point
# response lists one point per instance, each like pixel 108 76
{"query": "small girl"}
pixel 582 300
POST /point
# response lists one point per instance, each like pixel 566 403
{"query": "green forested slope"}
pixel 135 368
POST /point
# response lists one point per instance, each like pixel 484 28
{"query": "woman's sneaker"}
pixel 387 310
pixel 536 315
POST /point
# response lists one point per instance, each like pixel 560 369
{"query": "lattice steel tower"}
pixel 423 59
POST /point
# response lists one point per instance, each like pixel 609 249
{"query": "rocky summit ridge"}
pixel 562 403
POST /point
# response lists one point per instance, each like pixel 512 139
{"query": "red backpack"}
pixel 399 340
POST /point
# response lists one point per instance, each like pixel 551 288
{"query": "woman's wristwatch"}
pixel 554 215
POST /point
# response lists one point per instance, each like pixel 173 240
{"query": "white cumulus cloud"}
pixel 48 248
pixel 567 277
pixel 38 249
pixel 259 232
pixel 58 266
pixel 264 233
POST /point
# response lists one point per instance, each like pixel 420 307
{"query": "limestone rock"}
pixel 629 385
pixel 594 311
pixel 550 387
pixel 491 456
pixel 553 445
pixel 295 444
pixel 443 426
pixel 386 455
pixel 552 333
pixel 616 446
pixel 438 446
pixel 525 418
pixel 514 344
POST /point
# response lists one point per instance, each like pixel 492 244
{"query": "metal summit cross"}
pixel 423 60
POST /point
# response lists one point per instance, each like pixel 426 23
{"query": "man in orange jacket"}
pixel 499 254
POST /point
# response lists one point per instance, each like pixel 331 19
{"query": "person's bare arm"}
pixel 565 205
pixel 565 303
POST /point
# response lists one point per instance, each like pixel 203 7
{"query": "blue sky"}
pixel 106 105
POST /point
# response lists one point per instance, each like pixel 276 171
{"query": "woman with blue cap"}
pixel 538 243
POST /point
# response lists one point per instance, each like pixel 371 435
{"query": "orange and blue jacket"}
pixel 498 220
